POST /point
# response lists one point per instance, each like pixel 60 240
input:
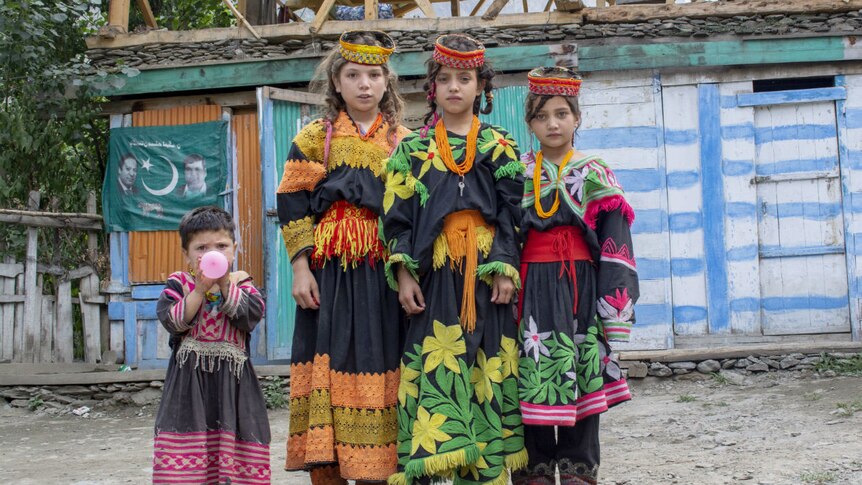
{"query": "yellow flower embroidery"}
pixel 473 468
pixel 396 184
pixel 429 157
pixel 484 373
pixel 446 343
pixel 500 145
pixel 426 431
pixel 407 386
pixel 509 357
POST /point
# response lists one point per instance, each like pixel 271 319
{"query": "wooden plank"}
pixel 569 5
pixel 7 314
pixel 147 13
pixel 11 269
pixel 724 341
pixel 75 221
pixel 282 71
pixel 477 7
pixel 494 9
pixel 241 18
pixel 371 7
pixel 645 13
pixel 426 8
pixel 92 320
pixel 294 96
pixel 302 30
pixel 46 335
pixel 18 350
pixel 84 378
pixel 56 368
pixel 321 15
pixel 679 355
pixel 33 303
pixel 231 100
pixel 791 96
pixel 456 8
pixel 64 347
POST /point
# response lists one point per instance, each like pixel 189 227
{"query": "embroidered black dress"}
pixel 344 369
pixel 458 411
pixel 571 306
pixel 211 426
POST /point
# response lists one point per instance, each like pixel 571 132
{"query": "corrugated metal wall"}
pixel 509 114
pixel 153 255
pixel 287 120
pixel 249 195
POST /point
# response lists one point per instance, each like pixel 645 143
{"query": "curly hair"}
pixel 485 73
pixel 391 105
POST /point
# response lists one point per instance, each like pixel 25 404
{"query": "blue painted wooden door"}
pixel 280 121
pixel 803 268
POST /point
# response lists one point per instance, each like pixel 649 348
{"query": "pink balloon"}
pixel 213 265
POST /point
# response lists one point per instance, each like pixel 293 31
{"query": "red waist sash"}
pixel 561 243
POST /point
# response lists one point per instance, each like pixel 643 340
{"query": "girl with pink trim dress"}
pixel 579 288
pixel 212 425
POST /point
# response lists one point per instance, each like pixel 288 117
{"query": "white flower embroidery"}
pixel 533 340
pixel 617 308
pixel 609 365
pixel 575 179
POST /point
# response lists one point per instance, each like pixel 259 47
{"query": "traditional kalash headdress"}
pixel 366 54
pixel 554 81
pixel 458 59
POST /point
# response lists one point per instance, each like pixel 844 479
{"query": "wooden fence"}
pixel 38 328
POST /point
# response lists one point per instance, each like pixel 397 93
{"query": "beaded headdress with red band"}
pixel 458 59
pixel 366 54
pixel 554 81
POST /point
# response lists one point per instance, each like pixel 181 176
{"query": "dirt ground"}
pixel 770 429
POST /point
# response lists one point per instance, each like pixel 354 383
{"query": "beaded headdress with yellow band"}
pixel 458 59
pixel 366 54
pixel 554 81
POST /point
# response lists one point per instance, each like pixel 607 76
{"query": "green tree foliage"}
pixel 184 14
pixel 51 138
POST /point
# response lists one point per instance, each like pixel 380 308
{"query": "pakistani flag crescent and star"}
pixel 156 174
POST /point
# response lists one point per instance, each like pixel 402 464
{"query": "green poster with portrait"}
pixel 156 174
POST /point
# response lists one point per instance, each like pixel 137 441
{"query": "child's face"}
pixel 361 86
pixel 206 241
pixel 554 124
pixel 457 89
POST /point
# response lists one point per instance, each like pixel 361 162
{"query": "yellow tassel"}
pixel 517 461
pixel 503 479
pixel 444 463
pixel 397 479
pixel 441 251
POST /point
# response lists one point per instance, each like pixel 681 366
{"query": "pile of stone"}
pixel 746 365
pixel 160 55
pixel 67 399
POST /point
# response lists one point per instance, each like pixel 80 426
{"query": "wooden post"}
pixel 32 302
pixel 321 15
pixel 64 344
pixel 477 7
pixel 118 15
pixel 7 325
pixel 371 7
pixel 241 19
pixel 147 12
pixel 93 254
pixel 46 337
pixel 426 8
pixel 456 7
pixel 494 9
pixel 89 287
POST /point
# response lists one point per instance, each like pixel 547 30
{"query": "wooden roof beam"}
pixel 644 13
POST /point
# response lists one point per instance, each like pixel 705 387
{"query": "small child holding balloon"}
pixel 212 425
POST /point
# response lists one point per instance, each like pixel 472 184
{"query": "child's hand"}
pixel 202 283
pixel 503 290
pixel 409 293
pixel 305 290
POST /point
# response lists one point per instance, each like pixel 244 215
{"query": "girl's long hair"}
pixel 391 105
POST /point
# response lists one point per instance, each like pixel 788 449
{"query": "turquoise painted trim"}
pixel 795 96
pixel 301 70
pixel 717 53
pixel 130 333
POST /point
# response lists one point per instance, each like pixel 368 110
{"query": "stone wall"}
pixel 161 55
pixel 83 400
